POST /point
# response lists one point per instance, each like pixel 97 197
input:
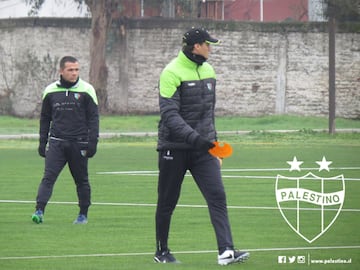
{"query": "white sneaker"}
pixel 232 256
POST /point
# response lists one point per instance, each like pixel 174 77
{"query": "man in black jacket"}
pixel 186 133
pixel 69 130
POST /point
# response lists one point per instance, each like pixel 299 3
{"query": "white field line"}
pixel 236 176
pixel 155 173
pixel 181 205
pixel 155 133
pixel 234 170
pixel 230 176
pixel 271 177
pixel 178 252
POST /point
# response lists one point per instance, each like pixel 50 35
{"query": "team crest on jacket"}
pixel 310 204
pixel 77 96
pixel 209 86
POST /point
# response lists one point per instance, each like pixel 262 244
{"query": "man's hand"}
pixel 91 151
pixel 42 149
pixel 203 145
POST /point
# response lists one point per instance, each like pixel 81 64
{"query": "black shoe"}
pixel 164 257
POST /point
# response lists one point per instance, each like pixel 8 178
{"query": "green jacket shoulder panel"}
pixel 182 69
pixel 81 87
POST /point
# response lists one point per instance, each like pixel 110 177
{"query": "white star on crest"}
pixel 324 164
pixel 295 164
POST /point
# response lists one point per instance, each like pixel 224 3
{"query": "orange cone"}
pixel 221 150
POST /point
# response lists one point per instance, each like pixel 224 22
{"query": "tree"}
pixel 101 19
pixel 342 10
pixel 103 12
pixel 332 74
pixel 337 10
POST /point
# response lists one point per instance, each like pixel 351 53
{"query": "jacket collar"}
pixel 187 61
pixel 65 84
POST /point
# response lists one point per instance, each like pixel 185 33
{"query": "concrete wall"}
pixel 262 69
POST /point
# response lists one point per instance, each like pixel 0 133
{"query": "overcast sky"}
pixel 51 8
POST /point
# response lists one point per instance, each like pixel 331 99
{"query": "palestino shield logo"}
pixel 310 204
pixel 77 96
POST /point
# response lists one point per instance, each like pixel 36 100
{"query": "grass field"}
pixel 131 123
pixel 120 232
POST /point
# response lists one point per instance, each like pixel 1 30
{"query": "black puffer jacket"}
pixel 69 113
pixel 187 103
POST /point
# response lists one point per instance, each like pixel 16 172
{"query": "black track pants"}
pixel 205 170
pixel 58 154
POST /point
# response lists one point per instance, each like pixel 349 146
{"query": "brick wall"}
pixel 262 69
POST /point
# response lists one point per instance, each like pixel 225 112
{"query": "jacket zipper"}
pixel 201 81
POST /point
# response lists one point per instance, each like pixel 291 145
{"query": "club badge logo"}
pixel 310 204
pixel 77 96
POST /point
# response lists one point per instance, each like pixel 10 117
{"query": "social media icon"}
pixel 281 259
pixel 292 259
pixel 301 259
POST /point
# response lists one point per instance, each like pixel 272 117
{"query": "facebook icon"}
pixel 281 259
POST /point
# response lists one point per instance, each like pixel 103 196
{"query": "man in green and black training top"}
pixel 186 133
pixel 69 131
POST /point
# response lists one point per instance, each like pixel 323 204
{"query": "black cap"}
pixel 198 35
